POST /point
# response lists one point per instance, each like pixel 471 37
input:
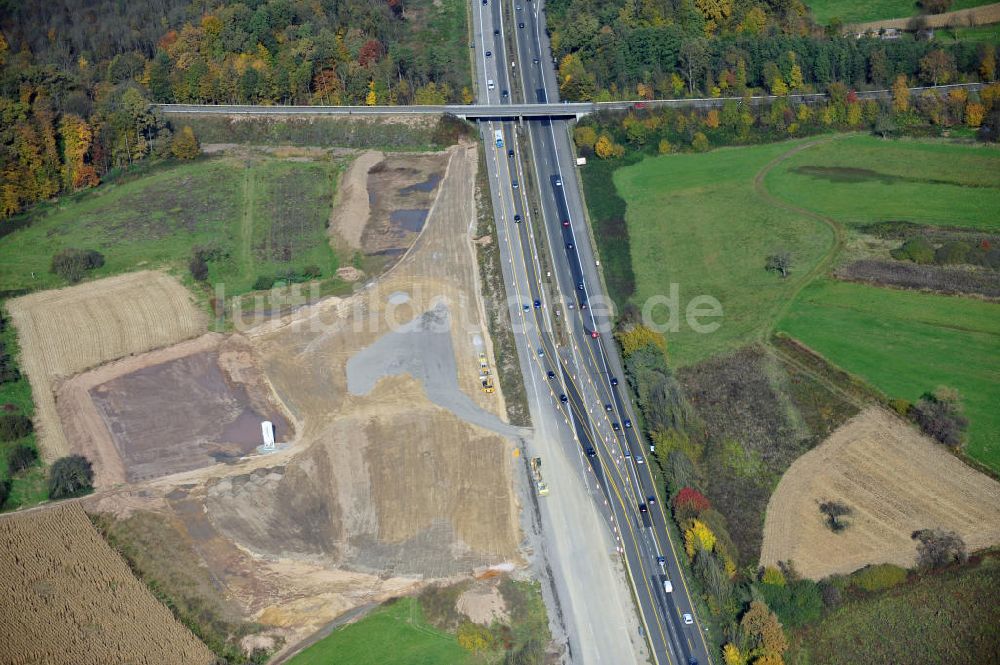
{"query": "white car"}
pixel 688 619
pixel 668 586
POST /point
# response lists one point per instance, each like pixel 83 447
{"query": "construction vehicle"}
pixel 484 374
pixel 536 472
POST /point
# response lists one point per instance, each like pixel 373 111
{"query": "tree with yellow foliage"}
pixel 698 537
pixel 664 147
pixel 474 637
pixel 605 147
pixel 762 632
pixel 371 99
pixel 772 575
pixel 974 114
pixel 585 137
pixel 184 144
pixel 988 63
pixel 712 119
pixel 795 81
pixel 637 336
pixel 77 135
pixel 731 655
pixel 900 95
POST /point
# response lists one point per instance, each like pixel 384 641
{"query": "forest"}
pixel 77 76
pixel 635 49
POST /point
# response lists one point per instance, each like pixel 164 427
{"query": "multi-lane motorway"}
pixel 575 374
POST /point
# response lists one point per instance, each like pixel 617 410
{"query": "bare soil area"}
pixel 65 331
pixel 894 480
pixel 351 209
pixel 401 469
pixel 69 599
pixel 178 409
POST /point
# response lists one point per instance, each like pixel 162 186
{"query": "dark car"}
pixel 520 25
pixel 504 94
pixel 642 508
pixel 513 183
pixel 496 31
pixel 579 286
pixel 551 374
pixel 607 407
pixel 517 218
pixel 489 54
pixel 563 399
pixel 534 60
pixel 538 304
pixel 614 380
pixel 510 153
pixel 616 427
pixel 583 305
pixel 628 424
pixel 591 452
pixel 565 223
pixel 651 499
pixel 569 245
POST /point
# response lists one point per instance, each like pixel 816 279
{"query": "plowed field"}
pixel 69 599
pixel 894 480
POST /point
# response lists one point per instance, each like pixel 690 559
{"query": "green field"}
pixel 906 343
pixel 861 11
pixel 919 181
pixel 949 617
pixel 695 220
pixel 28 487
pixel 265 215
pixel 395 634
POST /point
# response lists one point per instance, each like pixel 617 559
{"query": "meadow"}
pixel 261 217
pixel 860 11
pixel 929 182
pixel 906 343
pixel 394 633
pixel 695 220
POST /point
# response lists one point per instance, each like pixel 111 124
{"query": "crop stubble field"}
pixel 894 480
pixel 69 599
pixel 65 331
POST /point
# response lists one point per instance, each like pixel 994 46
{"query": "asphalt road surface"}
pixel 577 376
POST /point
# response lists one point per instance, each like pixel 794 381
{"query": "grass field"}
pixel 906 343
pixel 28 487
pixel 695 220
pixel 265 216
pixel 950 617
pixel 920 181
pixel 860 11
pixel 395 634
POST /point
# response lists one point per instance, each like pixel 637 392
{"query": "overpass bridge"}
pixel 522 111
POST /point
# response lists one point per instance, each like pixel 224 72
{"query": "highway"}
pixel 576 375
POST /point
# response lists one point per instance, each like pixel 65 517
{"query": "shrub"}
pixel 70 476
pixel 4 491
pixel 939 415
pixel 699 142
pixel 917 249
pixel 14 426
pixel 450 130
pixel 878 577
pixel 475 638
pixel 952 253
pixel 21 457
pixel 772 576
pixel 72 264
pixel 901 406
pixel 779 263
pixel 796 604
pixel 263 283
pixel 184 144
pixel 834 510
pixel 198 268
pixel 312 272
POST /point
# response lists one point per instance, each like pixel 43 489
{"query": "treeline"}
pixel 622 49
pixel 77 77
pixel 613 136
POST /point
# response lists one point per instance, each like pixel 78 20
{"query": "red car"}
pixel 565 223
pixel 595 334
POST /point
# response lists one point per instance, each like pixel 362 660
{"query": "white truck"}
pixel 498 134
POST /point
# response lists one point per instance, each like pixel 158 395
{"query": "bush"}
pixel 878 577
pixel 4 491
pixel 450 130
pixel 901 406
pixel 72 264
pixel 939 415
pixel 14 426
pixel 937 548
pixel 263 283
pixel 952 253
pixel 198 268
pixel 184 144
pixel 796 604
pixel 834 510
pixel 700 142
pixel 918 250
pixel 688 503
pixel 21 457
pixel 70 476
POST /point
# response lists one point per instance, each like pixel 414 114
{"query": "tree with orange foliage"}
pixel 900 95
pixel 712 119
pixel 76 135
pixel 974 114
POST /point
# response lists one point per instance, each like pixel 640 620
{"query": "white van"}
pixel 668 586
pixel 490 84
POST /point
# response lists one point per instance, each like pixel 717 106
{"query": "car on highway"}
pixel 628 424
pixel 563 398
pixel 510 153
pixel 505 94
pixel 607 407
pixel 668 586
pixel 651 499
pixel 521 24
pixel 551 374
pixel 628 453
pixel 616 427
pixel 538 304
pixel 614 380
pixel 594 334
pixel 565 223
pixel 579 286
pixel 583 304
pixel 660 559
pixel 496 31
pixel 569 245
pixel 688 620
pixel 558 181
pixel 591 452
pixel 638 459
pixel 489 54
pixel 527 308
pixel 517 219
pixel 642 508
pixel 541 352
pixel 534 61
pixel 513 183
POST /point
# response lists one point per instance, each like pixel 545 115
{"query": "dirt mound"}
pixel 70 599
pixel 894 480
pixel 351 209
pixel 65 331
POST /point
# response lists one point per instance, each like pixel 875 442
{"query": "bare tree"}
pixel 780 263
pixel 937 548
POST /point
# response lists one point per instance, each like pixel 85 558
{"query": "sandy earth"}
pixel 894 480
pixel 65 331
pixel 401 468
pixel 483 603
pixel 350 209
